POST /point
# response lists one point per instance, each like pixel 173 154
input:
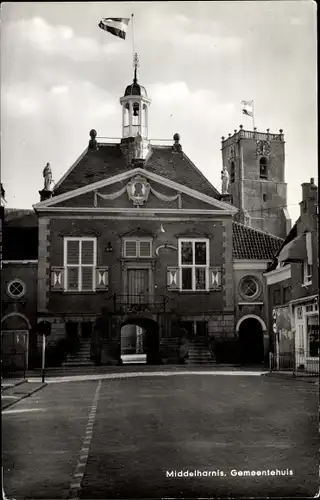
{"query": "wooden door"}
pixel 138 285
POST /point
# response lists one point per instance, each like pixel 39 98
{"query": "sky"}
pixel 61 76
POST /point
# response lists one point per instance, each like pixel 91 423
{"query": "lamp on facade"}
pixel 109 247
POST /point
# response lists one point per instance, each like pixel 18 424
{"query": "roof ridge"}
pixel 258 230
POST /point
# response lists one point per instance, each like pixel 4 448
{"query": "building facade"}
pixel 140 259
pixel 293 284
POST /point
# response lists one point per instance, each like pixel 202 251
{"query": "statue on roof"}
pixel 47 175
pixel 225 180
pixel 138 146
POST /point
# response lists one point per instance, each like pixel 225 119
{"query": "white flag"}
pixel 247 108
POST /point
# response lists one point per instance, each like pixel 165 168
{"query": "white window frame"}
pixel 194 266
pixel 79 265
pixel 307 278
pixel 137 241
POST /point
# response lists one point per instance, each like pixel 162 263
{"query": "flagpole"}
pixel 253 121
pixel 133 39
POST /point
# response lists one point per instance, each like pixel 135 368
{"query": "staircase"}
pixel 199 352
pixel 80 358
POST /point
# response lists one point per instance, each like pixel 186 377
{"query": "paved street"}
pixel 129 437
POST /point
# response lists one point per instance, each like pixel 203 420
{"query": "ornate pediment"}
pixel 79 232
pixel 142 233
pixel 138 190
pixel 193 233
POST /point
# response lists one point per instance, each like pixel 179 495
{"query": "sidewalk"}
pixel 133 368
pixel 18 391
pixel 288 375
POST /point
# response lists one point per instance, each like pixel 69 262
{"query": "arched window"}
pixel 263 168
pixel 232 172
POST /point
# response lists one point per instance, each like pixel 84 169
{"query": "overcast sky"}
pixel 62 76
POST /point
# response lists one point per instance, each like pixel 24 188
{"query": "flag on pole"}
pixel 247 108
pixel 115 25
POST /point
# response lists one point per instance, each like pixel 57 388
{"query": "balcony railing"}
pixel 249 134
pixel 139 303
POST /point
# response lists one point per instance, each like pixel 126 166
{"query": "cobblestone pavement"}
pixel 130 438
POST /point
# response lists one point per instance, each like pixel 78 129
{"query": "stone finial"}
pixel 241 127
pixel 176 148
pixel 229 135
pixel 235 130
pixel 268 130
pixel 93 145
pixel 222 138
pixel 312 180
pixel 281 131
pixel 255 129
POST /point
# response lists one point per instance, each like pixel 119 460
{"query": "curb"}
pixel 291 377
pixel 23 397
pixel 12 386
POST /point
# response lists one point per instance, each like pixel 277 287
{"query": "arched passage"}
pixel 250 331
pixel 139 339
pixel 15 329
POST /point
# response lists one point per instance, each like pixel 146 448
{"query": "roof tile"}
pixel 253 244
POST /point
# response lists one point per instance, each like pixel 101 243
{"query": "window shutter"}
pixel 57 279
pixel 102 278
pixel 130 248
pixel 215 278
pixel 173 278
pixel 145 249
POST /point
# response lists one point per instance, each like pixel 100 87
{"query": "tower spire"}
pixel 135 65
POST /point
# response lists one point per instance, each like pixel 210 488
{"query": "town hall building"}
pixel 141 259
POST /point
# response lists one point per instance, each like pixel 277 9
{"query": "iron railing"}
pixel 299 363
pixel 139 303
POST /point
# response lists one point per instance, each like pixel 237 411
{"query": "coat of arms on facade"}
pixel 138 190
pixel 263 148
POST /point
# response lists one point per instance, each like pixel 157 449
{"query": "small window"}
pixel 16 289
pixel 276 297
pixel 265 197
pixel 263 168
pixel 232 172
pixel 287 293
pixel 249 287
pixel 138 248
pixel 307 273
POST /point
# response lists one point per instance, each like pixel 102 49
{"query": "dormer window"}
pixel 263 168
pixel 232 172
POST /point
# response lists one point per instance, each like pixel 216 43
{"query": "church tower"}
pixel 256 165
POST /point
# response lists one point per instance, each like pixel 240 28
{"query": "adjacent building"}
pixel 293 288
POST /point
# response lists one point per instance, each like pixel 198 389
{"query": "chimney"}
pixel 309 201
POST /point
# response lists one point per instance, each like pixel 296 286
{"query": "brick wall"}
pixel 111 231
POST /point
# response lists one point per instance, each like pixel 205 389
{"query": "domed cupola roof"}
pixel 135 89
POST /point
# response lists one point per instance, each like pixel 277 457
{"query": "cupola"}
pixel 135 105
